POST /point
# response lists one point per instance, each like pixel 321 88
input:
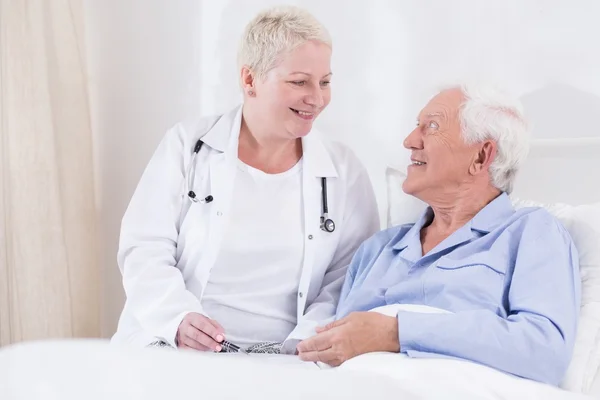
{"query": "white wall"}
pixel 144 75
pixel 153 62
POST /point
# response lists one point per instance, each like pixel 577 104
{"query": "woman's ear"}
pixel 248 79
pixel 484 157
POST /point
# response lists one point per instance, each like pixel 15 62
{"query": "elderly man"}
pixel 507 281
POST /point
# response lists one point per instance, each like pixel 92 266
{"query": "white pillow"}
pixel 391 310
pixel 583 224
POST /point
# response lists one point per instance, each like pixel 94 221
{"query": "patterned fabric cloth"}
pixel 260 348
pixel 160 343
pixel 265 348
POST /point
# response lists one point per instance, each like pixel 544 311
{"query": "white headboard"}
pixel 561 170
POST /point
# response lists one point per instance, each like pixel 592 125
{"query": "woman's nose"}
pixel 315 98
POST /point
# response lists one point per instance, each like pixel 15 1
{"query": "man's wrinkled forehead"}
pixel 444 105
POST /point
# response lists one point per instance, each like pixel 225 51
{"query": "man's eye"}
pixel 433 125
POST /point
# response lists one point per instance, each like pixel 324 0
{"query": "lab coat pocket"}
pixel 327 246
pixel 193 237
pixel 476 281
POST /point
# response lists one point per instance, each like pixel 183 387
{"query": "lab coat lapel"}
pixel 222 177
pixel 312 211
pixel 317 163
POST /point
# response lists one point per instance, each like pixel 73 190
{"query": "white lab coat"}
pixel 168 245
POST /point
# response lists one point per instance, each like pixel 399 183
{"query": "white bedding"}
pixel 94 370
pixel 437 378
pixel 72 370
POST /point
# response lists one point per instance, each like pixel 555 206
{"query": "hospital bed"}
pixel 561 175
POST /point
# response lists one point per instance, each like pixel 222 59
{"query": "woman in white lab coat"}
pixel 242 225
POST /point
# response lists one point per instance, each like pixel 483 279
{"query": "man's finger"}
pixel 331 325
pixel 328 356
pixel 319 342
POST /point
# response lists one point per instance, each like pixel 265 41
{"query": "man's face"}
pixel 440 157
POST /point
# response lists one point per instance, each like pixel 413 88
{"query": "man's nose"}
pixel 413 140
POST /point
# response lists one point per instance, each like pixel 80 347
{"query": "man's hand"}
pixel 358 333
pixel 200 333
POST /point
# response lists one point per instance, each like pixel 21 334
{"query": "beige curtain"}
pixel 49 281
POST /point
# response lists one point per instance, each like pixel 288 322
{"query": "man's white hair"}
pixel 274 32
pixel 488 113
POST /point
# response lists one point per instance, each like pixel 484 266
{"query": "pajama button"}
pixel 309 238
pixel 300 294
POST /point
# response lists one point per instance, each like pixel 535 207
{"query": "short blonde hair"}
pixel 274 32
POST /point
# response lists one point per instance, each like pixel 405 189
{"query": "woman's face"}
pixel 293 93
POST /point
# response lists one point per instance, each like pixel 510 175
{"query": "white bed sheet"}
pixel 73 370
pixel 94 370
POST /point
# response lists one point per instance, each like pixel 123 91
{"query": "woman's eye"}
pixel 325 83
pixel 299 83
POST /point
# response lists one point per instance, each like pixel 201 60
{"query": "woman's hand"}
pixel 199 333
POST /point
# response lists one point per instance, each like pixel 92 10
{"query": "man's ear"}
pixel 248 81
pixel 484 157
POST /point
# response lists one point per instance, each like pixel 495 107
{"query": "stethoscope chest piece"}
pixel 327 224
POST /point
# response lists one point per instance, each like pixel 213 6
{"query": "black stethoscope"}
pixel 325 222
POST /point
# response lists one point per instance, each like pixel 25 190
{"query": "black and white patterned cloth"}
pixel 160 343
pixel 265 348
pixel 259 348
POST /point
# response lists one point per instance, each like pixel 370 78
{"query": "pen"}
pixel 228 347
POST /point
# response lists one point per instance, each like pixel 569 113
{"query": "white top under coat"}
pixel 253 288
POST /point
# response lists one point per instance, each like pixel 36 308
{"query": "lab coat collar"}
pixel 224 136
pixel 225 133
pixel 317 160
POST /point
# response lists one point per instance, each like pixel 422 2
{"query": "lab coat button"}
pixel 309 238
pixel 300 294
pixel 219 213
